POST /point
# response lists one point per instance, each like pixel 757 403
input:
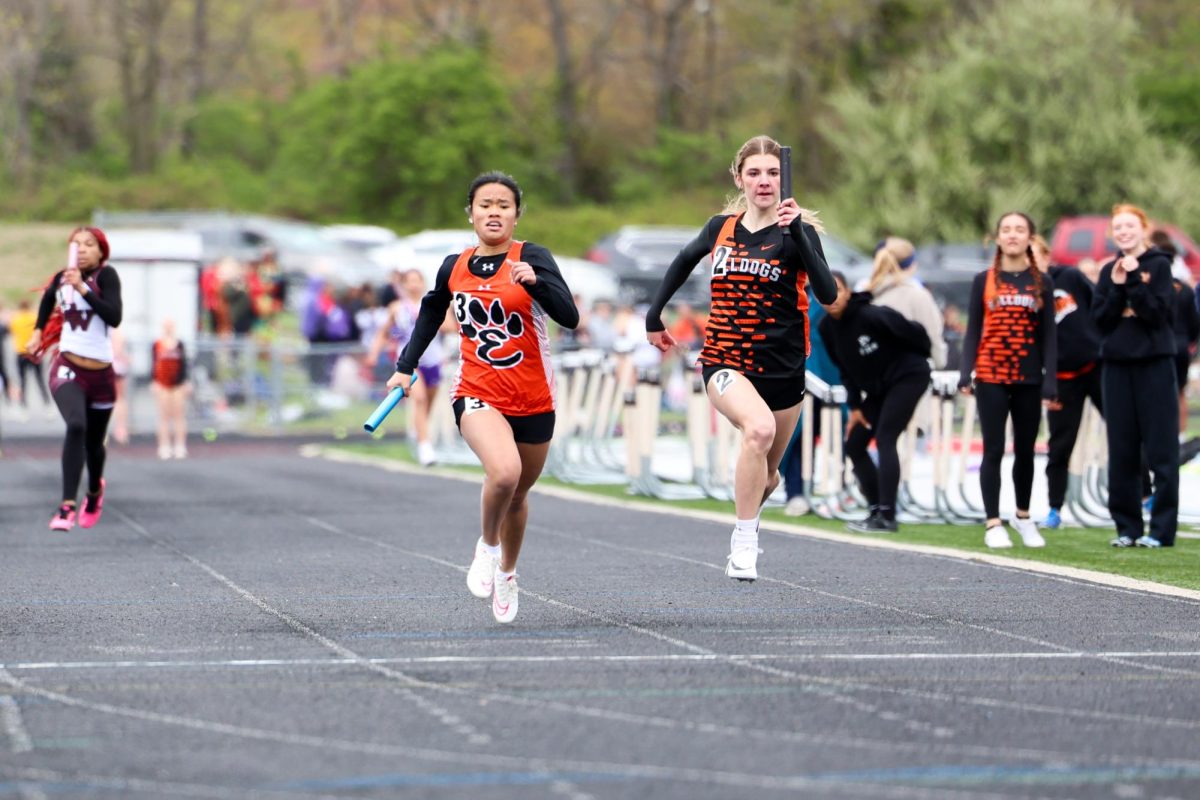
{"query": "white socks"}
pixel 491 550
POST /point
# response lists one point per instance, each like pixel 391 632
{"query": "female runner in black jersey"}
pixel 764 250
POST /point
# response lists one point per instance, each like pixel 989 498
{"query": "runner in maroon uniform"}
pixel 756 340
pixel 81 374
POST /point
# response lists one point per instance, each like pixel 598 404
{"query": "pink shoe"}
pixel 64 520
pixel 92 508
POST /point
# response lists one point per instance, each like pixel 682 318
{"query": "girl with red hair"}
pixel 88 295
pixel 1132 306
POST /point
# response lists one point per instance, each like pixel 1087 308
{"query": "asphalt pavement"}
pixel 253 623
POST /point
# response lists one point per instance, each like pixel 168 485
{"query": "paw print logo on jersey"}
pixel 491 327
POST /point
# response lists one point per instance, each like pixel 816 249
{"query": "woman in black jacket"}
pixel 1132 306
pixel 885 357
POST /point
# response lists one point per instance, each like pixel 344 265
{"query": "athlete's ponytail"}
pixel 892 256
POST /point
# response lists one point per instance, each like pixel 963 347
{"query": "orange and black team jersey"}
pixel 758 324
pixel 168 365
pixel 1011 334
pixel 505 354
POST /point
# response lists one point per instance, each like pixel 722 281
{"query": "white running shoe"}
pixel 797 507
pixel 426 454
pixel 164 451
pixel 742 564
pixel 1029 532
pixel 504 598
pixel 180 451
pixel 483 568
pixel 997 537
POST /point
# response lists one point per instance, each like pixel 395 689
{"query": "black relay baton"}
pixel 785 178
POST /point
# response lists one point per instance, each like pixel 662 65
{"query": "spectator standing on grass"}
pixel 1186 321
pixel 1010 363
pixel 892 284
pixel 169 382
pixel 883 358
pixel 22 325
pixel 1077 341
pixel 1132 306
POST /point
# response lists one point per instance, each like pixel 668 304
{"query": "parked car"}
pixel 588 280
pixel 1077 238
pixel 425 250
pixel 638 256
pixel 947 269
pixel 300 248
pixel 359 237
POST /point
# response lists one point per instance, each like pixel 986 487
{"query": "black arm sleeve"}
pixel 970 349
pixel 183 365
pixel 677 274
pixel 107 302
pixel 429 318
pixel 1048 331
pixel 46 306
pixel 550 290
pixel 813 254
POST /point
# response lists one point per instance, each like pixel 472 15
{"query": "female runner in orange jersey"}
pixel 503 292
pixel 756 341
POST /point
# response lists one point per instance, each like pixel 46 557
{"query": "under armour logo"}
pixel 487 267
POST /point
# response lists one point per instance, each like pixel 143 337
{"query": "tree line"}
pixel 924 117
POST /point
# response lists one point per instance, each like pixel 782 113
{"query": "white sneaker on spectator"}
pixel 425 454
pixel 1029 532
pixel 797 507
pixel 164 451
pixel 997 537
pixel 180 451
pixel 483 568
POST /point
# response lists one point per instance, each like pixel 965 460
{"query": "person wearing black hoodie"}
pixel 885 357
pixel 1133 306
pixel 1078 341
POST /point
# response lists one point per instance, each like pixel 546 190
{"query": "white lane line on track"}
pixel 930 695
pixel 697 658
pixel 1052 571
pixel 492 760
pixel 14 726
pixel 872 604
pixel 835 693
pixel 470 733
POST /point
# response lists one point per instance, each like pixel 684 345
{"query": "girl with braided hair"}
pixel 1011 348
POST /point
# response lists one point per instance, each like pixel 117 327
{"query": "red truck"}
pixel 1077 238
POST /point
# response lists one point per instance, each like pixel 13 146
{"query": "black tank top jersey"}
pixel 758 323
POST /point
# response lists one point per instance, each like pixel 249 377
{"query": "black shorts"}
pixel 777 393
pixel 532 429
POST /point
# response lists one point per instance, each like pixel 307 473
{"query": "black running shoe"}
pixel 876 523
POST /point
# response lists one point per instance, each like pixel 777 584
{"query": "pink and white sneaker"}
pixel 504 598
pixel 64 519
pixel 92 507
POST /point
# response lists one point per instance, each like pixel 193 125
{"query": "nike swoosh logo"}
pixel 766 247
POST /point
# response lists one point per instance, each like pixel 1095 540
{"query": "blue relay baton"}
pixel 385 407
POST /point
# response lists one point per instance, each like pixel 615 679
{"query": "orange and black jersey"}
pixel 1011 335
pixel 505 349
pixel 1077 336
pixel 758 323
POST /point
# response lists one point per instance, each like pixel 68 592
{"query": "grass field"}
pixel 29 255
pixel 1083 548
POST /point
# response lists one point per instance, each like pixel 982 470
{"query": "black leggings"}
pixel 889 414
pixel 1064 429
pixel 86 429
pixel 996 401
pixel 24 367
